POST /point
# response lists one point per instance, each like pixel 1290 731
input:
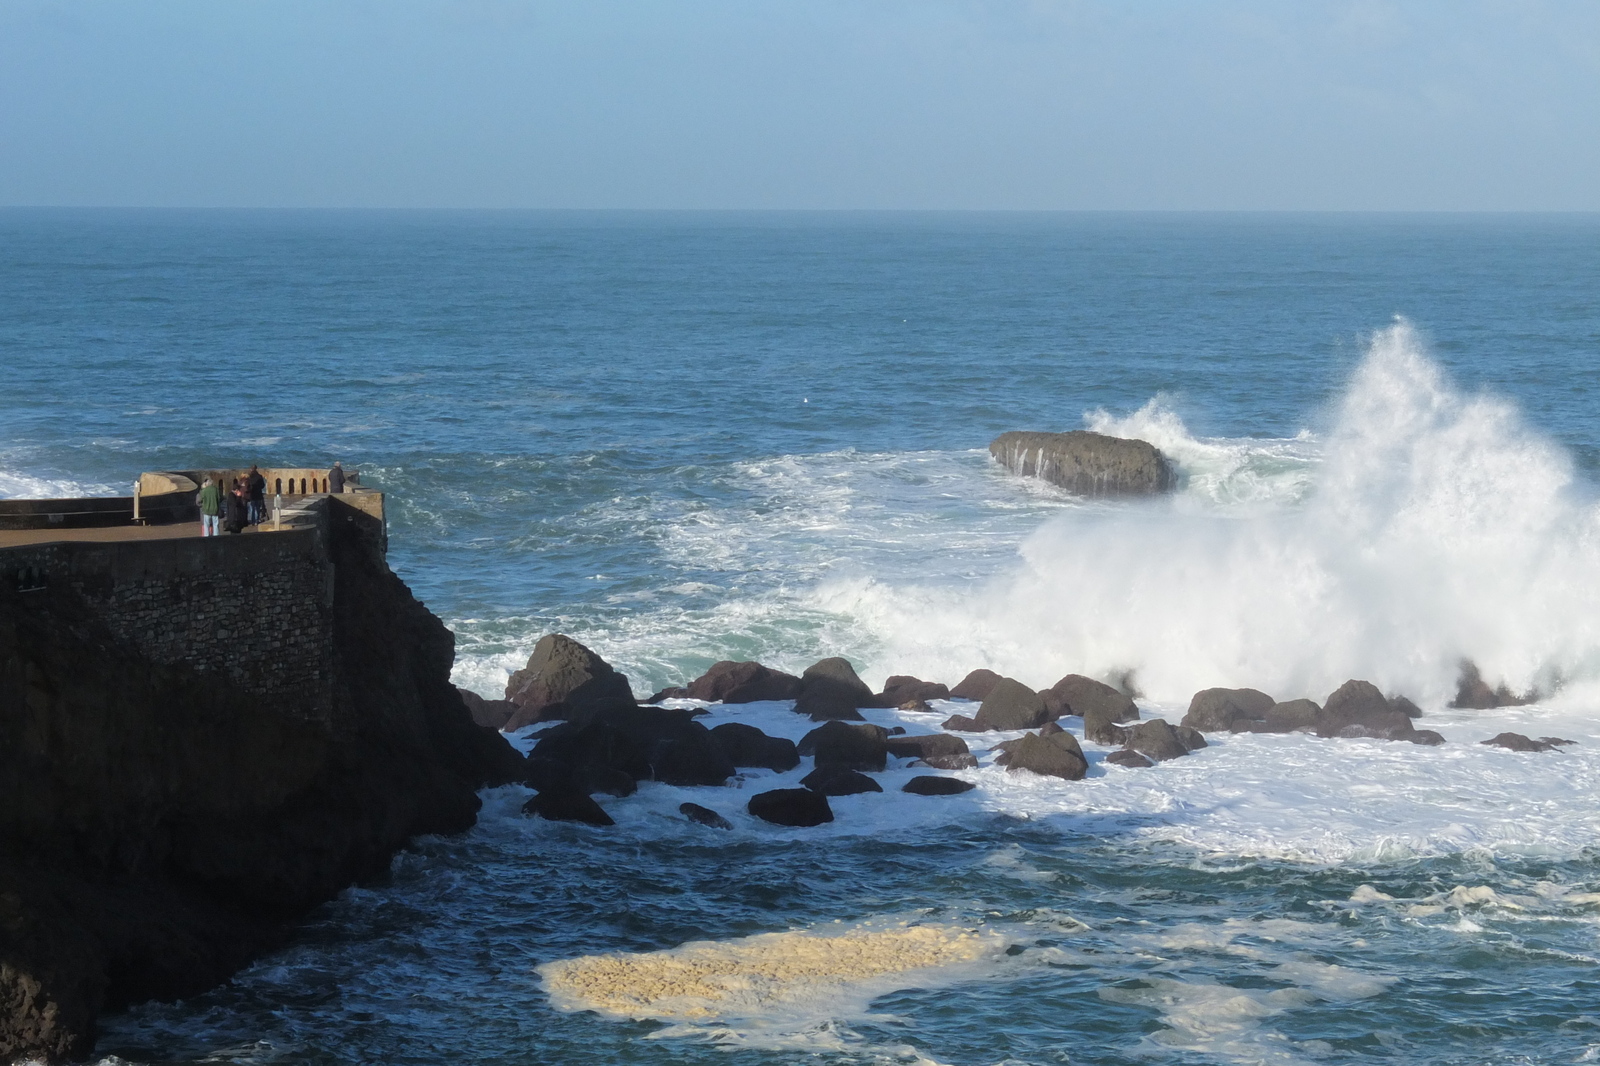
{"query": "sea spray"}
pixel 1437 526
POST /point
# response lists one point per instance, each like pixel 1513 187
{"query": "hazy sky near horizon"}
pixel 877 104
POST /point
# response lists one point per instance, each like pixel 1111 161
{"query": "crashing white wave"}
pixel 1433 526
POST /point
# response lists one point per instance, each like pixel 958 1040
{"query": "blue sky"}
pixel 876 104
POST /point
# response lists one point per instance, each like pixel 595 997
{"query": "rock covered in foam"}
pixel 1085 463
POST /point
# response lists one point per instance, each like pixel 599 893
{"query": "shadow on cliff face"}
pixel 158 831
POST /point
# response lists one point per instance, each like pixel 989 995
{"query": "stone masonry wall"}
pixel 255 610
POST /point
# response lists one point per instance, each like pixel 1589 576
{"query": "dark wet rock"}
pixel 1228 710
pixel 914 705
pixel 1405 707
pixel 1157 740
pixel 975 686
pixel 930 785
pixel 1101 730
pixel 561 679
pixel 856 747
pixel 968 761
pixel 1129 758
pixel 1086 697
pixel 603 779
pixel 902 688
pixel 839 781
pixel 829 690
pixel 1053 755
pixel 1085 463
pixel 897 731
pixel 1291 716
pixel 1518 742
pixel 1472 691
pixel 676 692
pixel 743 682
pixel 961 724
pixel 562 805
pixel 570 747
pixel 692 756
pixel 664 743
pixel 1012 705
pixel 791 806
pixel 745 745
pixel 704 816
pixel 544 774
pixel 923 745
pixel 492 714
pixel 1191 737
pixel 1358 709
pixel 1427 737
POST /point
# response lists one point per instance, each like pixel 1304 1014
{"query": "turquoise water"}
pixel 681 438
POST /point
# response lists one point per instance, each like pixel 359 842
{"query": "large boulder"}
pixel 1157 740
pixel 931 785
pixel 1052 755
pixel 1084 696
pixel 1012 705
pixel 975 686
pixel 791 806
pixel 829 690
pixel 1291 716
pixel 746 745
pixel 839 781
pixel 744 682
pixel 1087 464
pixel 1474 692
pixel 940 750
pixel 491 714
pixel 855 747
pixel 561 680
pixel 902 689
pixel 562 805
pixel 1228 710
pixel 1359 709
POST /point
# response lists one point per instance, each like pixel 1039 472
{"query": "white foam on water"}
pixel 775 990
pixel 20 486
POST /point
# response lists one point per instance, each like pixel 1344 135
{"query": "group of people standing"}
pixel 243 502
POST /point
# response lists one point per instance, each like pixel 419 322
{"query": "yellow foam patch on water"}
pixel 711 979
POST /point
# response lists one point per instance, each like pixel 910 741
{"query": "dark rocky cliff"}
pixel 159 829
pixel 1088 464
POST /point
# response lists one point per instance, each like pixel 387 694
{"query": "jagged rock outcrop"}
pixel 562 680
pixel 158 831
pixel 1085 463
pixel 1473 691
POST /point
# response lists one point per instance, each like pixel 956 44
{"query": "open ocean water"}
pixel 681 438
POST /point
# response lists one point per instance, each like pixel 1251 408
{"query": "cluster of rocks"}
pixel 606 742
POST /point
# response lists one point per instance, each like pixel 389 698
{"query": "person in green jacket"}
pixel 210 501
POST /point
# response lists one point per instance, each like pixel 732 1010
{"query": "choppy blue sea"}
pixel 681 438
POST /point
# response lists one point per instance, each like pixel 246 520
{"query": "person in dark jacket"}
pixel 238 510
pixel 255 493
pixel 336 479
